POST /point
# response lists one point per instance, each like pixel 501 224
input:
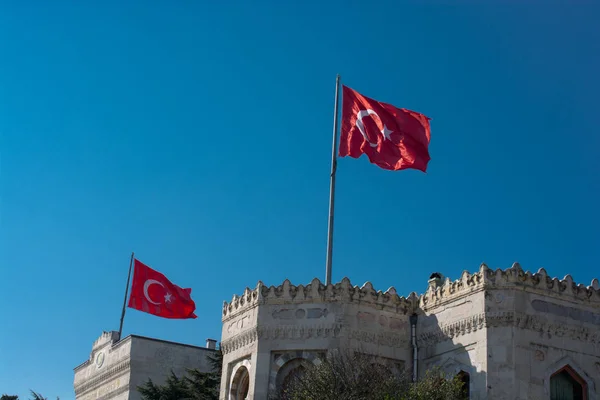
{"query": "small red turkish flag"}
pixel 393 138
pixel 153 293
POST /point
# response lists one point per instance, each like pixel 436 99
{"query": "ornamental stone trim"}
pixel 513 277
pixel 242 340
pixel 112 373
pixel 317 292
pixel 279 332
pixel 299 332
pixel 380 339
pixel 519 320
pixel 114 393
pixel 435 296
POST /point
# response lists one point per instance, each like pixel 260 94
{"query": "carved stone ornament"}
pixel 317 292
pixel 380 339
pixel 537 323
pixel 483 279
pixel 512 277
pixel 111 373
pixel 279 332
pixel 539 355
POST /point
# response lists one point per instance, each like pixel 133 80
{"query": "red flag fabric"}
pixel 393 138
pixel 153 293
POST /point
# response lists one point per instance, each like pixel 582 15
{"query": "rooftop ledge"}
pixel 439 290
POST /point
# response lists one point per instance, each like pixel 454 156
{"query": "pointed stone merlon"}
pixel 315 292
pixel 439 290
pixel 106 337
pixel 510 277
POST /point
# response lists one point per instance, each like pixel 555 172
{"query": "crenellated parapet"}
pixel 317 292
pixel 106 337
pixel 541 282
pixel 439 293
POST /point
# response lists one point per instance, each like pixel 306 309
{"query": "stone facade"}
pixel 116 368
pixel 511 334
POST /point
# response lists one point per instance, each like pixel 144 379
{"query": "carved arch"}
pixel 299 357
pixel 239 374
pixel 568 362
pixel 454 367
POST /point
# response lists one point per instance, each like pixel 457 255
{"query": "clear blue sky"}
pixel 198 134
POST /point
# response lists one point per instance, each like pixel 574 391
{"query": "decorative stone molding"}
pixel 380 339
pixel 114 393
pixel 299 332
pixel 279 332
pixel 454 329
pixel 344 291
pixel 242 340
pixel 535 323
pixel 512 277
pixel 112 373
pixel 316 292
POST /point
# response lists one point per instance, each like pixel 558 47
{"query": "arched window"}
pixel 465 379
pixel 566 384
pixel 290 378
pixel 288 374
pixel 240 385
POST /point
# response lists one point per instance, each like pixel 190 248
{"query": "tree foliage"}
pixel 355 376
pixel 196 385
pixel 34 396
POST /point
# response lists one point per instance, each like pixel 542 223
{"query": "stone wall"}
pixel 106 372
pixel 268 329
pixel 540 324
pixel 155 359
pixel 451 330
pixel 509 330
pixel 116 368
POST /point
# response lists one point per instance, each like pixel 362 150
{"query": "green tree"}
pixel 174 389
pixel 206 385
pixel 353 376
pixel 35 396
pixel 38 396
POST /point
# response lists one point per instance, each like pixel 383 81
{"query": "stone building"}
pixel 115 368
pixel 510 334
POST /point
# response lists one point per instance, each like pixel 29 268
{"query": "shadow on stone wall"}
pixel 364 374
pixel 459 350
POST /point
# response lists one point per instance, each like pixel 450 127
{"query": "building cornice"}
pixel 251 335
pixel 537 323
pixel 111 373
pixel 317 292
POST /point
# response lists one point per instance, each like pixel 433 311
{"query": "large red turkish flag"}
pixel 153 293
pixel 393 138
